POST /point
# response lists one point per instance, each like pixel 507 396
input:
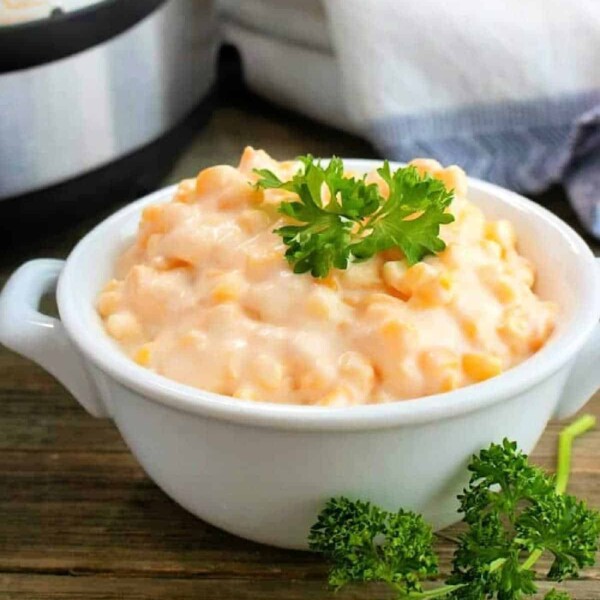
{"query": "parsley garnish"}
pixel 357 221
pixel 556 595
pixel 514 512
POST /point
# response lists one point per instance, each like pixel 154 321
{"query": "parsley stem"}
pixel 435 593
pixel 565 445
pixel 563 470
pixel 497 564
pixel 531 560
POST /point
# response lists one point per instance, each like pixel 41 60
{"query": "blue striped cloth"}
pixel 525 146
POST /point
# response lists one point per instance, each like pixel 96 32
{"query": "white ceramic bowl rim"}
pixel 546 361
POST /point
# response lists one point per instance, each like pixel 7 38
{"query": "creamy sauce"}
pixel 19 11
pixel 205 296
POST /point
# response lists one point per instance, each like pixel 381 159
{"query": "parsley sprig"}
pixel 514 513
pixel 357 221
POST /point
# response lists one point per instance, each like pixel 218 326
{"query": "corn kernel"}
pixel 288 168
pixel 536 343
pixel 514 327
pixel 228 289
pixel 272 199
pixel 185 191
pixel 194 338
pixel 245 392
pixel 446 281
pixel 123 326
pixel 324 303
pixel 258 159
pixel 502 232
pixel 394 329
pixel 392 254
pixel 492 248
pixel 253 220
pixel 527 276
pixel 438 359
pixel 108 303
pixel 112 285
pixel 227 185
pixel 318 306
pixel 260 264
pixel 441 369
pixel 362 275
pixel 456 255
pixel 375 177
pixel 313 381
pixel 268 372
pixel 425 165
pixel 152 213
pixel 521 268
pixel 453 178
pixel 225 292
pixel 393 273
pixel 151 225
pixel 436 291
pixel 338 397
pixel 166 263
pixel 471 329
pixel 547 320
pixel 505 290
pixel 378 299
pixel 153 244
pixel 214 178
pixel 233 367
pixel 415 277
pixel 330 282
pixel 480 366
pixel 358 370
pixel 213 272
pixel 450 381
pixel 143 355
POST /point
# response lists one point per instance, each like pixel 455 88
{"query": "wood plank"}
pixel 78 516
pixel 93 512
pixel 32 420
pixel 97 512
pixel 100 513
pixel 65 587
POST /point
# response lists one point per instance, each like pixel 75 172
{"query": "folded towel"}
pixel 509 90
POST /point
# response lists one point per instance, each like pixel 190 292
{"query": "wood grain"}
pixel 78 516
pixel 44 587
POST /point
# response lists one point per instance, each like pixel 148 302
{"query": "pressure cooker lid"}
pixel 34 32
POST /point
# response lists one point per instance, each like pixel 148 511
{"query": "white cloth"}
pixel 408 58
pixel 509 89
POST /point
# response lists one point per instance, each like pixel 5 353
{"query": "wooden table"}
pixel 78 516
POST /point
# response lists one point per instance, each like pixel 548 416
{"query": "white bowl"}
pixel 263 471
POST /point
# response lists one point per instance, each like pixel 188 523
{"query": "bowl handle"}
pixel 584 378
pixel 43 339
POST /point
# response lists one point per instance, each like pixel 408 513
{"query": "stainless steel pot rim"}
pixel 62 34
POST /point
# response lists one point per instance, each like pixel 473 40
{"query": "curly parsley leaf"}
pixel 410 218
pixel 505 466
pixel 366 543
pixel 357 221
pixel 565 527
pixel 556 595
pixel 514 513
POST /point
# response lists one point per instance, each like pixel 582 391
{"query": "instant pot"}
pixel 89 89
